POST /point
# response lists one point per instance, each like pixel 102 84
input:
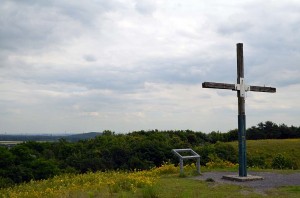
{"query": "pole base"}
pixel 242 179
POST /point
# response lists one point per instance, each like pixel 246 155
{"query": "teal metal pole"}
pixel 242 146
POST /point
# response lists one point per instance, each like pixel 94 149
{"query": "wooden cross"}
pixel 241 89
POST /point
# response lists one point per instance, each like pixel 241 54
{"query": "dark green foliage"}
pixel 226 152
pixel 270 130
pixel 136 150
pixel 19 173
pixel 281 162
pixel 219 150
pixel 6 158
pixel 5 182
pixel 23 154
pixel 267 130
pixel 204 151
pixel 256 161
pixel 214 137
pixel 43 169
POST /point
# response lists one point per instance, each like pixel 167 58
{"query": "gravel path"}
pixel 271 180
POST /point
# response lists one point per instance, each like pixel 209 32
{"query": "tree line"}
pixel 136 150
pixel 266 130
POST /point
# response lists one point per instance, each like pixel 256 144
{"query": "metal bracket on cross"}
pixel 242 87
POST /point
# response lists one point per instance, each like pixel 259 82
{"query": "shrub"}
pixel 43 169
pixel 5 182
pixel 257 161
pixel 166 168
pixel 216 162
pixel 204 151
pixel 281 162
pixel 226 152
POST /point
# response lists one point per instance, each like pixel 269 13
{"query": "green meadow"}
pixel 264 151
pixel 164 181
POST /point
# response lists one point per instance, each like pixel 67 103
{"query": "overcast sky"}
pixel 124 65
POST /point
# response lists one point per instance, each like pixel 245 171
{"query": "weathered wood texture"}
pixel 263 89
pixel 215 85
pixel 218 85
pixel 240 74
pixel 240 62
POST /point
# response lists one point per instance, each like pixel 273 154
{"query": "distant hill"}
pixel 82 136
pixel 72 137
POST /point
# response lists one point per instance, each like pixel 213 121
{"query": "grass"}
pixel 183 187
pixel 284 192
pixel 172 186
pixel 292 189
pixel 159 182
pixel 268 149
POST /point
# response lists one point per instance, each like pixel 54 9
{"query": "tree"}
pixel 43 169
pixel 6 158
pixel 23 155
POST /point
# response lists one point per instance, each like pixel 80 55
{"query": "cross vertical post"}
pixel 241 114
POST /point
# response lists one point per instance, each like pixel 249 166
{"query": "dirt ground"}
pixel 270 180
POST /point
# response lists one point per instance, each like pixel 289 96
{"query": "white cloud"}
pixel 128 65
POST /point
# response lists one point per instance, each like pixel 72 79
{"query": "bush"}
pixel 44 169
pixel 216 162
pixel 5 182
pixel 226 152
pixel 204 151
pixel 281 162
pixel 257 161
pixel 166 168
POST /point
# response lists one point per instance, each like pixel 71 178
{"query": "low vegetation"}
pixel 157 182
pixel 275 153
pixel 143 150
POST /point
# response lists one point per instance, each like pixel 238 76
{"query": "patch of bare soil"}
pixel 270 180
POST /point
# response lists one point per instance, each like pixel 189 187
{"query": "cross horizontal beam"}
pixel 215 85
pixel 263 89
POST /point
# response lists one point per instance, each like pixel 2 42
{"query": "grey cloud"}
pixel 121 80
pixel 89 58
pixel 118 54
pixel 36 25
pixel 145 6
pixel 231 26
pixel 29 27
pixel 183 70
pixel 190 69
pixel 269 33
pixel 86 13
pixel 79 10
pixel 98 78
